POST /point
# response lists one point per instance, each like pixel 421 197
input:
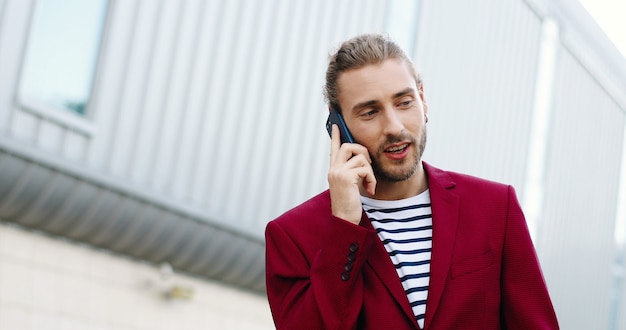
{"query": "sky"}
pixel 610 16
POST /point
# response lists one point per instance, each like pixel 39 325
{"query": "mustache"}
pixel 403 137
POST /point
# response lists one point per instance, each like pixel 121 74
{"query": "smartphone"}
pixel 334 117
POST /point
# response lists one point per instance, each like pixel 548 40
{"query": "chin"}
pixel 388 174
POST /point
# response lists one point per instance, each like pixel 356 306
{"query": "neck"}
pixel 413 186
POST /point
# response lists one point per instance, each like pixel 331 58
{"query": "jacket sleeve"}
pixel 319 288
pixel 525 300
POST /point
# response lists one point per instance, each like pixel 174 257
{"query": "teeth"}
pixel 396 149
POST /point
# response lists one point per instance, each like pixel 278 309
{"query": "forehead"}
pixel 374 82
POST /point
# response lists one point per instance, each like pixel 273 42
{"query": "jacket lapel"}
pixel 381 264
pixel 445 208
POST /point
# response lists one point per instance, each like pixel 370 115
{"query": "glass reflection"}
pixel 62 52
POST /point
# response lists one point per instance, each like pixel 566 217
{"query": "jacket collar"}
pixel 445 208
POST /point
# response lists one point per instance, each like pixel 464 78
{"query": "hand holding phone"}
pixel 350 171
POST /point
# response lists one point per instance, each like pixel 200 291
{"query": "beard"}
pixel 411 162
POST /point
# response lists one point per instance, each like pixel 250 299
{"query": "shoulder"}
pixel 315 209
pixel 471 181
pixel 464 183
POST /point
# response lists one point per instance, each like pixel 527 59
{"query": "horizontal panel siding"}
pixel 575 238
pixel 39 196
pixel 24 125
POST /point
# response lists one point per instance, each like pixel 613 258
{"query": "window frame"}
pixel 81 123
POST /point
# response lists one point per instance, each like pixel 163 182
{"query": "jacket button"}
pixel 354 247
pixel 348 266
pixel 345 276
pixel 351 256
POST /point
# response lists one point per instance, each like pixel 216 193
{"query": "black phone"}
pixel 334 117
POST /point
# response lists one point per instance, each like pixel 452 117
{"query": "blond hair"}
pixel 358 52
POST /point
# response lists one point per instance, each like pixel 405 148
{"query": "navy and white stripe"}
pixel 406 228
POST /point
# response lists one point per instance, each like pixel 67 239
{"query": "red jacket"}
pixel 326 273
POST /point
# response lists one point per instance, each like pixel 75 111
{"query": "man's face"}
pixel 385 112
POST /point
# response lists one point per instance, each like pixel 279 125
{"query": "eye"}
pixel 404 104
pixel 368 113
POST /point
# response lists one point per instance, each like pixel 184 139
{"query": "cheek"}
pixel 413 120
pixel 368 137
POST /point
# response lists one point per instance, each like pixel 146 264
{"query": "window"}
pixel 61 55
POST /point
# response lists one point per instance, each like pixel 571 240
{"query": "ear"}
pixel 424 103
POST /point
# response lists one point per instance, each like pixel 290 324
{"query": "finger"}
pixel 367 178
pixel 359 160
pixel 335 142
pixel 369 183
pixel 358 149
pixel 348 151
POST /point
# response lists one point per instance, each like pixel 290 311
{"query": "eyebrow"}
pixel 365 104
pixel 408 90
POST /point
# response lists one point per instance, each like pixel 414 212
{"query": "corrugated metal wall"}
pixel 201 111
pixel 575 239
pixel 211 103
pixel 480 65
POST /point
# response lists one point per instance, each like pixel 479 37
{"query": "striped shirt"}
pixel 405 228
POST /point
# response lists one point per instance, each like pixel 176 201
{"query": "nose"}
pixel 393 122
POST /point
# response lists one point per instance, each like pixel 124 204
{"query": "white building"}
pixel 139 135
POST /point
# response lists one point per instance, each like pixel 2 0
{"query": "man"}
pixel 396 243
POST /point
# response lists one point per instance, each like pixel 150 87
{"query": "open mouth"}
pixel 397 149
